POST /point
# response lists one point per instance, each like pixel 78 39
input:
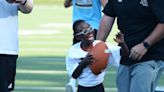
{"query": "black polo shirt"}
pixel 137 19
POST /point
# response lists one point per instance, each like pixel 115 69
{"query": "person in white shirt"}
pixel 78 58
pixel 9 39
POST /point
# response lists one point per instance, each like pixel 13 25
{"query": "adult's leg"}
pixel 160 70
pixel 11 70
pixel 3 80
pixel 143 76
pixel 123 78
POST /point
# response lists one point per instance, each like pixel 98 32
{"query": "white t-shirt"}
pixel 9 28
pixel 87 78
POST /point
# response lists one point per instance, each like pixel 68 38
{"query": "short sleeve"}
pixel 71 65
pixel 109 9
pixel 158 9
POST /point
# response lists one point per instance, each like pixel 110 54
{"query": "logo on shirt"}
pixel 84 3
pixel 144 3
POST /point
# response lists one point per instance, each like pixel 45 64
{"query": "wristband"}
pixel 146 45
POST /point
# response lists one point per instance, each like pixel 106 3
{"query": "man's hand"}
pixel 137 52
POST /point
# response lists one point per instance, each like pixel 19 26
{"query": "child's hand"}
pixel 89 59
pixel 119 38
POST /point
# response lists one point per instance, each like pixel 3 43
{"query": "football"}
pixel 101 62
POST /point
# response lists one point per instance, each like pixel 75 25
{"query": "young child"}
pixel 78 59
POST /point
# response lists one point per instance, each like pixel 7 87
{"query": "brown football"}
pixel 98 51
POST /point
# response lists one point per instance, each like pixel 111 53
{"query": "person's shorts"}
pixel 8 71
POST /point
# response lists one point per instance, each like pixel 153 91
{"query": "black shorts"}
pixel 7 72
pixel 98 88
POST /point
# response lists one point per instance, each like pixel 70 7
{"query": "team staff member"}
pixel 9 39
pixel 88 10
pixel 142 23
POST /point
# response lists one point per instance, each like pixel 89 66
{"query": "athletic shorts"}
pixel 7 72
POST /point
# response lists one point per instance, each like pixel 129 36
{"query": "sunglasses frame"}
pixel 85 31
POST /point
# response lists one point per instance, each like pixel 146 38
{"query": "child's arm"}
pixel 124 48
pixel 83 64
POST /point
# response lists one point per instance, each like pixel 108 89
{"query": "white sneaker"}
pixel 71 86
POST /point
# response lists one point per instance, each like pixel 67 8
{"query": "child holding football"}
pixel 78 59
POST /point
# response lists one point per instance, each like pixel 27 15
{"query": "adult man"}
pixel 9 39
pixel 88 10
pixel 142 23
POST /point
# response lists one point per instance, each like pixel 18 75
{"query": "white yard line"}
pixel 53 58
pixel 44 49
pixel 43 43
pixel 161 89
pixel 46 31
pixel 51 88
pixel 49 71
pixel 40 32
pixel 56 25
pixel 41 72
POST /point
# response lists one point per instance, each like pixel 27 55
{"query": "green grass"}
pixel 41 65
pixel 50 2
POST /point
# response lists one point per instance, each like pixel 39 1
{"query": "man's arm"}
pixel 26 6
pixel 156 35
pixel 103 2
pixel 105 27
pixel 67 3
pixel 138 51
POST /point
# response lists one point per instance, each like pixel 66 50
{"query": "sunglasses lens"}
pixel 85 31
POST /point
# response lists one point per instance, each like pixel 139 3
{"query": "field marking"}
pixel 43 43
pixel 43 59
pixel 39 32
pixel 41 71
pixel 45 49
pixel 159 88
pixel 56 25
pixel 50 71
pixel 51 88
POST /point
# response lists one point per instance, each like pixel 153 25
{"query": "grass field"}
pixel 45 36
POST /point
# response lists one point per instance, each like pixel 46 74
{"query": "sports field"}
pixel 45 36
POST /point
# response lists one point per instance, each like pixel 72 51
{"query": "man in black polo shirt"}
pixel 142 23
